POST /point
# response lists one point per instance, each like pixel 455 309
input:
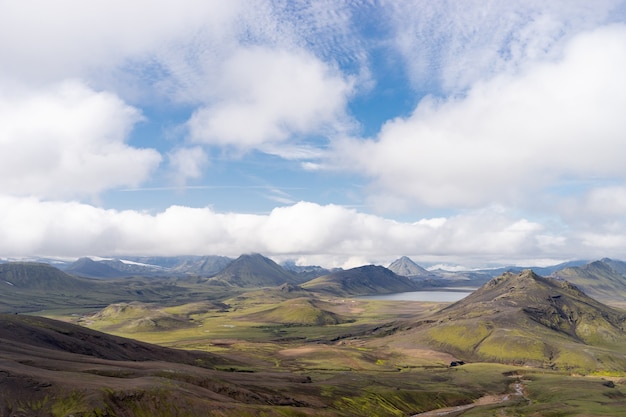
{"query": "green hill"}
pixel 364 280
pixel 527 319
pixel 301 311
pixel 136 317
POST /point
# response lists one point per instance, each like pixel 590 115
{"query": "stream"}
pixel 518 391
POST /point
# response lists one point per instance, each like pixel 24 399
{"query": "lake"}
pixel 445 295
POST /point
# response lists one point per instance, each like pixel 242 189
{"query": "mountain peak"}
pixel 406 267
pixel 523 289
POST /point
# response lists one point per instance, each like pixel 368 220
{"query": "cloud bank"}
pixel 304 231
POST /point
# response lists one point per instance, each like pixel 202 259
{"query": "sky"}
pixel 327 132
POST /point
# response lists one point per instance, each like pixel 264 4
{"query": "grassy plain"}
pixel 356 359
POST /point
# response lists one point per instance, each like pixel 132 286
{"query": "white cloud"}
pixel 45 41
pixel 510 137
pixel 266 96
pixel 187 163
pixel 68 140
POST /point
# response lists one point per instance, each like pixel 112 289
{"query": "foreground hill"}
pixel 254 271
pixel 364 280
pixel 55 368
pixel 604 279
pixel 527 319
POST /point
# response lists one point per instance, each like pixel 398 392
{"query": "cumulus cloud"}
pixel 187 163
pixel 67 141
pixel 510 137
pixel 266 96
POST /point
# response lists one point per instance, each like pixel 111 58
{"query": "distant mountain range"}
pixel 604 279
pixel 211 265
pixel 148 266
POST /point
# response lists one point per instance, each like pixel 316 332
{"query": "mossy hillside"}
pixel 563 396
pixel 303 311
pixel 504 345
pixel 129 318
pixel 460 336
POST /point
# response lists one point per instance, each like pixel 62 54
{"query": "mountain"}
pixel 40 277
pixel 604 279
pixel 407 268
pixel 528 319
pixel 254 271
pixel 86 267
pixel 364 280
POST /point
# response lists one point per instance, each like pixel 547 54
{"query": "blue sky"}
pixel 336 133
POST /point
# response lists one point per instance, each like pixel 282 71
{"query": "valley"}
pixel 233 343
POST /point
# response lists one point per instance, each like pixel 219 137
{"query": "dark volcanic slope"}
pixel 22 333
pixel 364 280
pixel 525 318
pixel 53 368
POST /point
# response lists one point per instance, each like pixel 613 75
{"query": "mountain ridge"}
pixel 254 270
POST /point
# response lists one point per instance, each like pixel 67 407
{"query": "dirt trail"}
pixel 518 391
